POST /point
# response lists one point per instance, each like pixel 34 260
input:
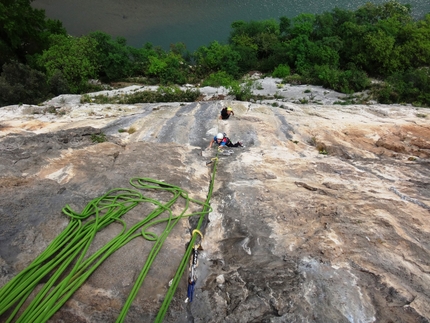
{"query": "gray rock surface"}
pixel 324 216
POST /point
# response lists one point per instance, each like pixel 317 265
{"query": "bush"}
pixel 58 84
pixel 75 57
pixel 242 92
pixel 295 79
pixel 163 94
pixel 218 79
pixel 98 138
pixel 349 81
pixel 281 71
pixel 411 86
pixel 21 84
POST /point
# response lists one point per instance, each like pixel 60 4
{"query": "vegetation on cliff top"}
pixel 340 50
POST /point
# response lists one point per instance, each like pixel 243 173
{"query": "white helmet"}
pixel 220 136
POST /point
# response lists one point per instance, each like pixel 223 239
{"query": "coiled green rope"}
pixel 64 265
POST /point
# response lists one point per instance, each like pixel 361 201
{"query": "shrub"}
pixel 21 84
pixel 242 92
pixel 75 57
pixel 98 138
pixel 217 79
pixel 163 94
pixel 281 71
pixel 348 81
pixel 296 79
pixel 58 84
pixel 412 86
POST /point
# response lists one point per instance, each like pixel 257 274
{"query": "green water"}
pixel 194 22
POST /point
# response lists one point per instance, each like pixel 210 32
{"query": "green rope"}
pixel 64 265
pixel 180 271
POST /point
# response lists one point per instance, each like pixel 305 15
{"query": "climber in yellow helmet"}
pixel 225 113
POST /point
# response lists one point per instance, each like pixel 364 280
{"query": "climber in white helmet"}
pixel 222 140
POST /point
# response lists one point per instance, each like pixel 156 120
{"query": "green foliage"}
pixel 322 152
pixel 74 57
pixel 284 25
pixel 113 57
pixel 371 13
pixel 348 81
pixel 337 49
pixel 20 83
pixel 163 94
pixel 324 26
pixel 218 79
pixel 248 58
pixel 168 68
pixel 217 57
pixel 379 46
pixel 303 24
pixel 411 86
pixel 254 29
pixel 58 84
pixel 181 50
pixel 24 30
pixel 258 43
pixel 281 71
pixel 156 65
pixel 414 44
pixel 303 53
pixel 241 91
pixel 140 58
pixel 98 138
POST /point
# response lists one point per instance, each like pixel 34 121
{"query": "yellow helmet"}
pixel 229 109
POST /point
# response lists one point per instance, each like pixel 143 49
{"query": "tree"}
pixel 24 31
pixel 303 25
pixel 217 57
pixel 378 48
pixel 21 84
pixel 324 26
pixel 260 36
pixel 169 68
pixel 284 26
pixel 414 51
pixel 113 56
pixel 74 57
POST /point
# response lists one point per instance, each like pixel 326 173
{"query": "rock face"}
pixel 323 216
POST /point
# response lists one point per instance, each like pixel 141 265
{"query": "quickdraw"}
pixel 212 160
pixel 192 278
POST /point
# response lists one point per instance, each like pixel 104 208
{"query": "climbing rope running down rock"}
pixel 66 264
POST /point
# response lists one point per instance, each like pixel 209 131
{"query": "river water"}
pixel 193 22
